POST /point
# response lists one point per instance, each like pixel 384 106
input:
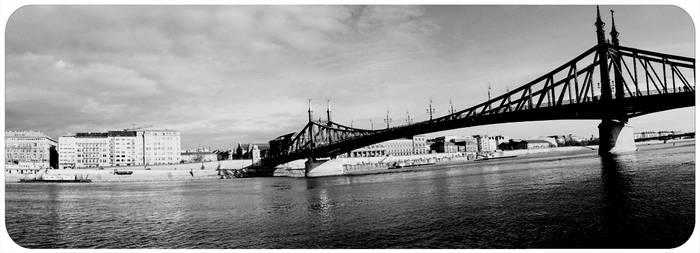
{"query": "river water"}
pixel 556 200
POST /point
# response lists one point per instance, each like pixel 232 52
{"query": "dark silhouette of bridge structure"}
pixel 609 82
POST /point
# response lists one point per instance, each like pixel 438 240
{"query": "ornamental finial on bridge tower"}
pixel 387 119
pixel 311 117
pixel 430 109
pixel 409 120
pixel 328 111
pixel 599 24
pixel 613 32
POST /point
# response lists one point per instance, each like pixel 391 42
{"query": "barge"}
pixel 56 179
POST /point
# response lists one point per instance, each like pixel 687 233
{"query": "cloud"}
pixel 222 74
pixel 207 71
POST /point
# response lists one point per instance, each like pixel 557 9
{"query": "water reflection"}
pixel 615 193
pixel 53 218
pixel 530 202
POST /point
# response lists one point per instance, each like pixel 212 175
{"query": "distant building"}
pixel 30 150
pixel 244 151
pixel 224 154
pixel 194 156
pixel 84 150
pixel 539 144
pixel 513 145
pixel 119 148
pixel 401 147
pixel 500 139
pixel 454 144
pixel 467 144
pixel 444 145
pixel 654 134
pixel 561 140
pixel 486 143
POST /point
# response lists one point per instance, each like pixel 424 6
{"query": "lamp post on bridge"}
pixel 387 120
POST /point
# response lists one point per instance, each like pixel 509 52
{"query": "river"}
pixel 556 200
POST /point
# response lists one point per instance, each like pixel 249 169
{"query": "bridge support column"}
pixel 615 137
pixel 309 165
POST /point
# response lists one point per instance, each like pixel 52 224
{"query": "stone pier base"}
pixel 310 165
pixel 615 137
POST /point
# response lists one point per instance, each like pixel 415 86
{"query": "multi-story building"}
pixel 401 147
pixel 30 150
pixel 420 145
pixel 68 152
pixel 486 143
pixel 442 146
pixel 91 150
pixel 466 144
pixel 120 148
pixel 161 146
pixel 454 144
pixel 126 148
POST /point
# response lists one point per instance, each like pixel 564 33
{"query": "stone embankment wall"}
pixel 356 165
pixel 153 173
pixel 547 150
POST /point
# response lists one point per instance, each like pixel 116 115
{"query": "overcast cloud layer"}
pixel 223 74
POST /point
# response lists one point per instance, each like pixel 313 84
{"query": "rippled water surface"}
pixel 643 199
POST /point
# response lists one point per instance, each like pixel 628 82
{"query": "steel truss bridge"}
pixel 581 89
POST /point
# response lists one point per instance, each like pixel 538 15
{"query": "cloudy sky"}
pixel 244 73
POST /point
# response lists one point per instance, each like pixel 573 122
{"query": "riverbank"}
pixel 360 165
pixel 173 172
pixel 372 165
pixel 335 167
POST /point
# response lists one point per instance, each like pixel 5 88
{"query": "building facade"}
pixel 539 144
pixel 486 143
pixel 401 147
pixel 119 148
pixel 467 144
pixel 30 150
pixel 161 146
pixel 92 150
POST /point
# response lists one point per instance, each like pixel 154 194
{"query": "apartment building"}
pixel 29 150
pixel 119 148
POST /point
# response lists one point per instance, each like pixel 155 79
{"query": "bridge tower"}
pixel 310 160
pixel 615 135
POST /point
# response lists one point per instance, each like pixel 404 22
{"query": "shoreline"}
pixel 338 167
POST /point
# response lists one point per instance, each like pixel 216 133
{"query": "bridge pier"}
pixel 615 137
pixel 309 165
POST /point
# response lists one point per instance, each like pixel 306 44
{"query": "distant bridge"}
pixel 642 82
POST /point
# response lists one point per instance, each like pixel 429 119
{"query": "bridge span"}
pixel 631 81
